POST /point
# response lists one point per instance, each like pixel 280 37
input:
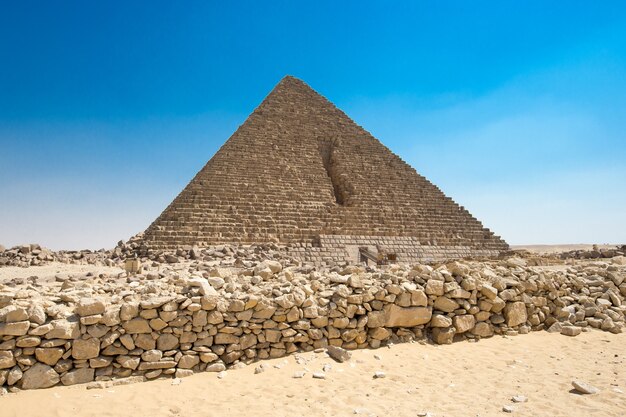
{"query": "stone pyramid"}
pixel 299 171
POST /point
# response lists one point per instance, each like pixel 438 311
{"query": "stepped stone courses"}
pixel 301 172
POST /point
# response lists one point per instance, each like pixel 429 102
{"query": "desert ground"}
pixel 553 249
pixel 462 379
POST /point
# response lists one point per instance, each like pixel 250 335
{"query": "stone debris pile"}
pixel 33 255
pixel 205 314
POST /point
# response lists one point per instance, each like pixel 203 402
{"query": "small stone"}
pixel 379 375
pixel 571 330
pixel 508 408
pixel 216 367
pixel 319 375
pixel 519 399
pixel 221 375
pixel 299 374
pixel 259 369
pixel 584 388
pixel 338 354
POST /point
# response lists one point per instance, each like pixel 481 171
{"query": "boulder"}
pixel 515 313
pixel 40 376
pixel 407 316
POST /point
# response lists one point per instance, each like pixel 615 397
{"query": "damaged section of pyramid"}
pixel 301 172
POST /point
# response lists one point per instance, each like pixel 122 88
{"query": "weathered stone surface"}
pixel 64 329
pixel 167 341
pixel 85 349
pixel 464 323
pixel 439 320
pixel 515 313
pixel 137 325
pixel 7 360
pixel 90 307
pixel 39 376
pixel 407 316
pixel 584 388
pixel 78 376
pixel 18 328
pixel 443 336
pixel 571 331
pixel 49 356
pixel 338 354
pixel 445 304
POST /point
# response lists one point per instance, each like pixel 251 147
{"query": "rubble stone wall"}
pixel 207 329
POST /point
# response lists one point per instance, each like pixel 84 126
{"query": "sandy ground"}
pixel 47 272
pixel 463 379
pixel 558 248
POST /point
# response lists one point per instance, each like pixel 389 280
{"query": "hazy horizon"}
pixel 515 111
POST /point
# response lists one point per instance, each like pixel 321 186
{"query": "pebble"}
pixel 508 408
pixel 519 399
pixel 319 375
pixel 379 374
pixel 299 374
pixel 584 388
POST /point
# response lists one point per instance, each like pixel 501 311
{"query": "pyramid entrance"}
pixel 301 173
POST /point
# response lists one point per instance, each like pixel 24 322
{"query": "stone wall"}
pixel 208 325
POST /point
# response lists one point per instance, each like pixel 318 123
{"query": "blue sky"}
pixel 517 110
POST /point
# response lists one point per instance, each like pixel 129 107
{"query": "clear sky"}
pixel 517 110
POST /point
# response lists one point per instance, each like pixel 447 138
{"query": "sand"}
pixel 463 379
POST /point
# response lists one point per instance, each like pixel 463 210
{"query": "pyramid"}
pixel 300 172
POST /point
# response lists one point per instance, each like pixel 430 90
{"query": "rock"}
pixel 18 328
pixel 205 288
pixel 15 374
pixel 85 349
pixel 152 355
pixel 519 399
pixel 508 409
pixel 515 313
pixel 216 367
pixel 440 320
pixel 442 336
pixel 338 354
pixel 482 329
pixel 319 375
pixel 556 327
pixel 584 388
pixel 15 314
pixel 49 356
pixel 259 369
pixel 299 374
pixel 464 322
pixel 183 373
pixel 39 376
pixel 407 316
pixel 89 307
pixel 488 291
pixel 136 326
pixel 379 374
pixel 445 304
pixel 216 282
pixel 571 330
pixel 78 376
pixel 434 287
pixel 188 361
pixel 274 266
pixel 7 360
pixel 64 329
